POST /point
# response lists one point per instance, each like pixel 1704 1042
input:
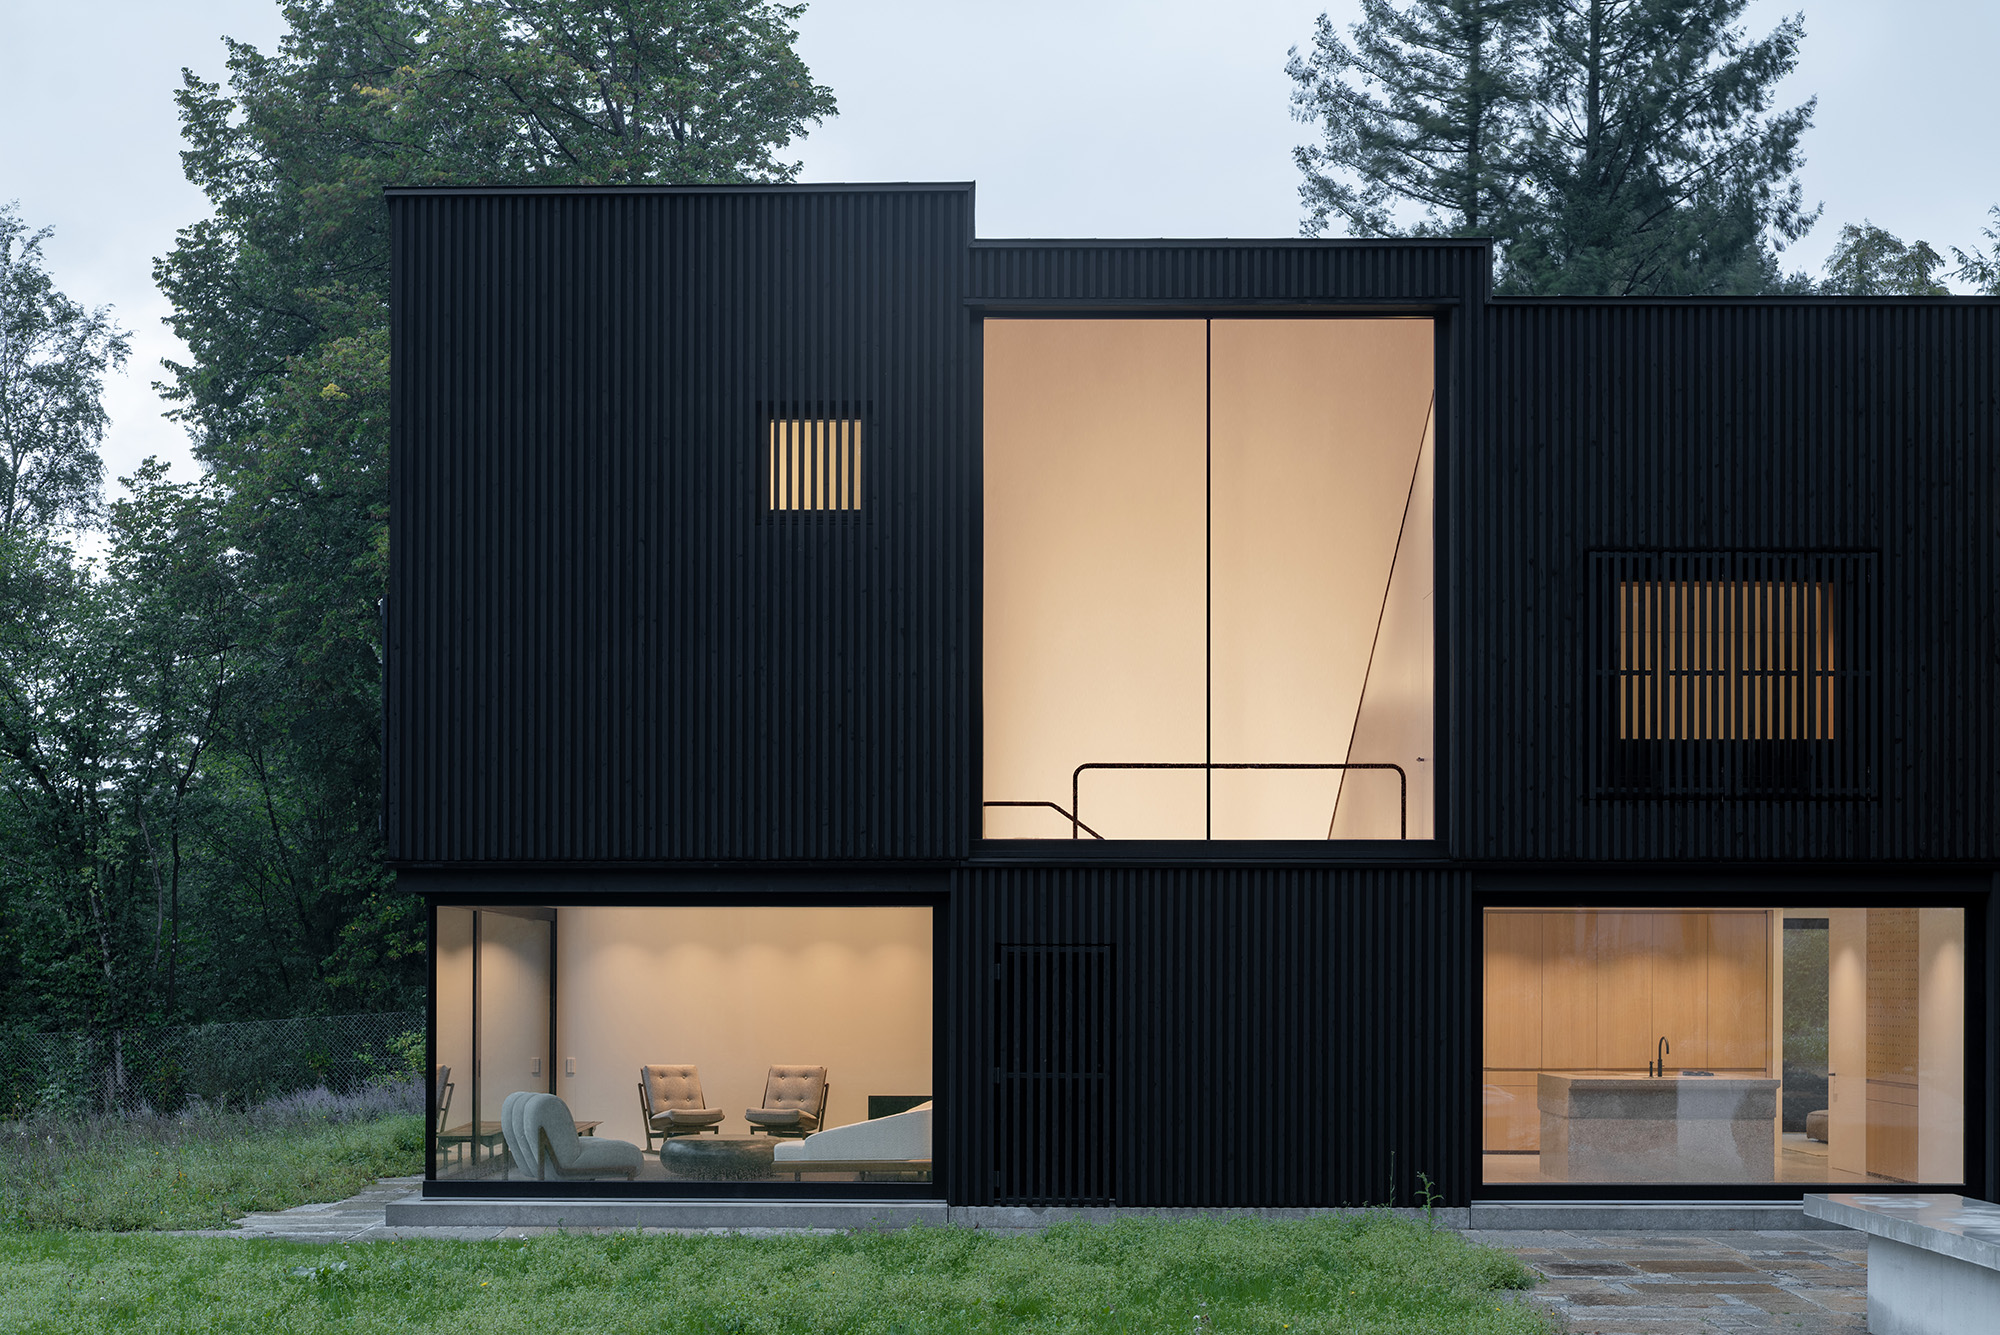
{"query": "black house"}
pixel 880 713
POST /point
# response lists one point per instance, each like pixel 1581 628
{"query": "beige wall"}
pixel 454 1008
pixel 513 1009
pixel 1940 1045
pixel 1104 443
pixel 1393 723
pixel 735 991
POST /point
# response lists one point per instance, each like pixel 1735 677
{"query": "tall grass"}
pixel 206 1165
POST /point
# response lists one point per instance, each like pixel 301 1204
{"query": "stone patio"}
pixel 1654 1283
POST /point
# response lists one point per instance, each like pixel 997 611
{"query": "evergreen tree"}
pixel 1422 109
pixel 1870 262
pixel 1609 146
pixel 1654 167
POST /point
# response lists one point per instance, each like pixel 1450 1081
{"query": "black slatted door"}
pixel 1052 1094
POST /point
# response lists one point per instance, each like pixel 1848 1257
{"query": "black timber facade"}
pixel 610 676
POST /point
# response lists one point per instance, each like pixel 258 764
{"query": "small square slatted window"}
pixel 812 464
pixel 1735 674
pixel 1725 660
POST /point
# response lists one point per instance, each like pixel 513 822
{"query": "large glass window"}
pixel 719 1044
pixel 1208 579
pixel 1725 1045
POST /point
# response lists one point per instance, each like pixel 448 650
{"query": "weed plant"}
pixel 1355 1276
pixel 206 1165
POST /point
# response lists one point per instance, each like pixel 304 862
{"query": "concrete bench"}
pixel 1933 1259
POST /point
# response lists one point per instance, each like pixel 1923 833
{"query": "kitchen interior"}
pixel 1724 1045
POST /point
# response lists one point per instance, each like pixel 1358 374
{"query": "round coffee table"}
pixel 718 1158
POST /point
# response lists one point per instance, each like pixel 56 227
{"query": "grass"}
pixel 1372 1274
pixel 205 1167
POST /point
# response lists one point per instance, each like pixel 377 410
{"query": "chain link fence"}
pixel 125 1071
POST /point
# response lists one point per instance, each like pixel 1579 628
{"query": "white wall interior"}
pixel 735 991
pixel 454 1009
pixel 513 1008
pixel 1190 532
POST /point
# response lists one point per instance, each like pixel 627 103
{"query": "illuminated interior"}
pixel 1725 1045
pixel 813 464
pixel 1725 661
pixel 1208 568
pixel 578 1001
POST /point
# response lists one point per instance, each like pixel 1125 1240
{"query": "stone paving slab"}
pixel 1643 1283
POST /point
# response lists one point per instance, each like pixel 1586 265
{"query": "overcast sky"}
pixel 1084 118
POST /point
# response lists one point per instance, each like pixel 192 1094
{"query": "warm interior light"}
pixel 1207 542
pixel 814 464
pixel 1725 660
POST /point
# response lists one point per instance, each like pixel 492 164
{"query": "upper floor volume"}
pixel 794 524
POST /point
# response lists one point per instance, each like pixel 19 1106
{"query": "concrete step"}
pixel 417 1211
pixel 1651 1216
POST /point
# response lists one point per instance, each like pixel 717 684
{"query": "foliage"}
pixel 1981 268
pixel 1653 164
pixel 190 730
pixel 1374 1275
pixel 208 1165
pixel 53 358
pixel 1621 147
pixel 1439 133
pixel 1869 262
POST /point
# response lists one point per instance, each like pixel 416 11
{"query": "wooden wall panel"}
pixel 1597 990
pixel 1514 990
pixel 1622 968
pixel 1680 986
pixel 1739 992
pixel 1569 991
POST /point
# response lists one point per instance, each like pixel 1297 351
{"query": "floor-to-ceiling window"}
pixel 1722 1045
pixel 1208 579
pixel 726 1043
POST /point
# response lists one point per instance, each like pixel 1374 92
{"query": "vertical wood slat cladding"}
pixel 1283 1037
pixel 1228 271
pixel 1055 1022
pixel 598 651
pixel 1803 427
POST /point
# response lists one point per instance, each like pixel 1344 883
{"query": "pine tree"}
pixel 1654 167
pixel 1422 109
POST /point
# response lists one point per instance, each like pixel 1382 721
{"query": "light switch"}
pixel 569 1066
pixel 535 1066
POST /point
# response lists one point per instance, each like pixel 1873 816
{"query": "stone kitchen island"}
pixel 1608 1126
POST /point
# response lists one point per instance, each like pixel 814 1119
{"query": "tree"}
pixel 1609 146
pixel 53 358
pixel 1982 268
pixel 282 299
pixel 1653 167
pixel 1870 262
pixel 1440 133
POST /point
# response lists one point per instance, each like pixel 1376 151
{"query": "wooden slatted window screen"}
pixel 1734 673
pixel 1052 1075
pixel 813 464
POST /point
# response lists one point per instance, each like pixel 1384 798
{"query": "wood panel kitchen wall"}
pixel 1596 991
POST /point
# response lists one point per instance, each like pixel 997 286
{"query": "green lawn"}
pixel 1376 1274
pixel 160 1173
